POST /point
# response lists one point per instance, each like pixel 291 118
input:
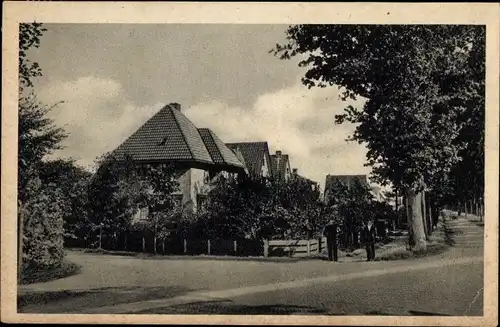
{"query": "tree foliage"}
pixel 72 182
pixel 424 92
pixel 252 208
pixel 29 38
pixel 349 207
pixel 42 215
pixel 121 186
pixel 41 204
pixel 414 79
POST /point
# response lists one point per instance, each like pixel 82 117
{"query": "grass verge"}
pixel 440 241
pixel 66 269
pixel 402 253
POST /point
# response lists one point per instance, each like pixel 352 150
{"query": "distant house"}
pixel 198 155
pixel 280 166
pixel 347 180
pixel 256 157
pixel 295 174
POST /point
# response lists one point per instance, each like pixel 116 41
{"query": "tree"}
pixel 235 207
pixel 413 78
pixel 40 223
pixel 114 192
pixel 157 196
pixel 122 186
pixel 350 206
pixel 72 182
pixel 29 37
pixel 261 208
pixel 301 200
pixel 42 236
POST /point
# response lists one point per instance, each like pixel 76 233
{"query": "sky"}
pixel 113 78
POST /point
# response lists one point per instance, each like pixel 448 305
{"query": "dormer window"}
pixel 163 141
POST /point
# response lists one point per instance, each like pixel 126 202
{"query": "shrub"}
pixel 42 227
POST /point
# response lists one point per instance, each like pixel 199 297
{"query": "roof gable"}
pixel 167 136
pixel 279 165
pixel 347 180
pixel 219 152
pixel 253 154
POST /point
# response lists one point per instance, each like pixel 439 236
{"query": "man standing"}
pixel 331 240
pixel 369 238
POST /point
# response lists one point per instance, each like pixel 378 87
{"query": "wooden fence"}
pixel 294 248
pixel 241 247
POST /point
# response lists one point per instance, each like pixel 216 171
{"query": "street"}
pixel 449 290
pixel 449 283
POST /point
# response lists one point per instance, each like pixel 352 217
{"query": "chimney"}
pixel 175 106
pixel 278 153
pixel 295 171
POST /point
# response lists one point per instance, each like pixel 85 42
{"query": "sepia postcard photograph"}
pixel 263 163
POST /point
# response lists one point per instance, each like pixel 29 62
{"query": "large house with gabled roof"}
pixel 198 155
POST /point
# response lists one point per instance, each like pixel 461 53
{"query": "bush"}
pixel 43 230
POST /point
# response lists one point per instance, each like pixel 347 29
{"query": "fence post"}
pixel 185 246
pixel 308 247
pixel 235 247
pixel 320 240
pixel 266 248
pixel 163 246
pixel 208 247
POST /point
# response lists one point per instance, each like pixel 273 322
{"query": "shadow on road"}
pixel 424 313
pixel 73 301
pixel 227 307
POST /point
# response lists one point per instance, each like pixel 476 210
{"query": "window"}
pixel 143 213
pixel 202 201
pixel 178 199
pixel 206 177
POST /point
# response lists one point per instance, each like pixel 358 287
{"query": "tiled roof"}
pixel 240 157
pixel 347 180
pixel 278 167
pixel 219 152
pixel 167 136
pixel 310 181
pixel 253 154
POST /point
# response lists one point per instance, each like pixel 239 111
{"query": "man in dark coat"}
pixel 331 240
pixel 369 233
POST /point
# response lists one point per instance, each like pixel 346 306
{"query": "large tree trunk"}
pixel 424 214
pixel 396 222
pixel 416 222
pixel 430 216
pixel 100 237
pixel 154 236
pixel 407 211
